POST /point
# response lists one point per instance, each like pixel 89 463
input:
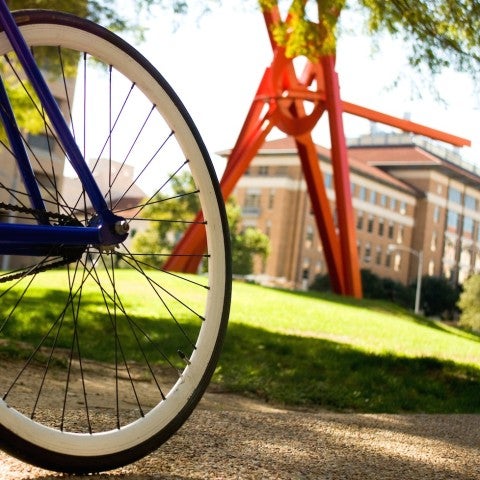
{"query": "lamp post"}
pixel 419 254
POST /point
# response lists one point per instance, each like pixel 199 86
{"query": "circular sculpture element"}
pixel 298 101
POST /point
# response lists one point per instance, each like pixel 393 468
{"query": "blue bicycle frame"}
pixel 39 239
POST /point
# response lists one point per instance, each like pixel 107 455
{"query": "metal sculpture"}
pixel 294 104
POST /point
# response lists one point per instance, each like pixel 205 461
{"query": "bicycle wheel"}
pixel 104 352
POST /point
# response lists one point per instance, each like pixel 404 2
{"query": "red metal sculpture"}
pixel 280 102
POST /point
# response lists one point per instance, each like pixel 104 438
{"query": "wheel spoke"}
pixel 101 343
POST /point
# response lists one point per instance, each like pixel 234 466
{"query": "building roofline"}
pixel 286 147
pixel 435 156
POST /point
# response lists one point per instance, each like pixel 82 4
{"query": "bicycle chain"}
pixel 37 214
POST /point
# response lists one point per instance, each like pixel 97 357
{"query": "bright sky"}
pixel 215 65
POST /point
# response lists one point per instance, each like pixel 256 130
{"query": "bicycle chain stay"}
pixel 37 268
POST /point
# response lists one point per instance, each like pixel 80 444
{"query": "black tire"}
pixel 157 335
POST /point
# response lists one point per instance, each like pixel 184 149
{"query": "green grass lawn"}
pixel 313 350
pixel 323 350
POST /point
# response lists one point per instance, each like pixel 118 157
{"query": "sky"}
pixel 215 64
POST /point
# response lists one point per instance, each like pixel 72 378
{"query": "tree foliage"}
pixel 374 287
pixel 301 35
pixel 165 210
pixel 181 203
pixel 469 303
pixel 246 242
pixel 438 297
pixel 107 12
pixel 102 11
pixel 438 33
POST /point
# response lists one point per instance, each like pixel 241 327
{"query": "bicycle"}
pixel 104 352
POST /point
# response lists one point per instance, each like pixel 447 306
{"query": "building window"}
pixel 41 141
pixel 368 253
pixel 328 180
pixel 360 220
pixel 467 227
pixel 470 202
pixel 252 203
pixel 383 200
pixel 388 259
pixel 362 193
pixel 452 221
pixel 381 224
pixel 449 252
pixel 400 232
pixel 268 228
pixel 373 197
pixel 436 214
pixel 393 204
pixel 433 242
pixel 309 236
pixel 263 170
pixel 477 263
pixel 306 269
pixel 465 257
pixel 390 230
pixel 397 262
pixel 454 195
pixel 403 208
pixel 378 256
pixel 370 224
pixel 431 268
pixel 271 198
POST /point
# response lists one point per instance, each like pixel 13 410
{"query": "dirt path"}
pixel 229 437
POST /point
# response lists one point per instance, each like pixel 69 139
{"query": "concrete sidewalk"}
pixel 229 437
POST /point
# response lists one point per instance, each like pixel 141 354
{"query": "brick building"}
pixel 410 195
pixel 46 156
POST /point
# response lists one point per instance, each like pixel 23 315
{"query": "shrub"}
pixel 469 303
pixel 438 297
pixel 374 287
pixel 321 283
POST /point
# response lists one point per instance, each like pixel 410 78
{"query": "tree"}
pixel 102 11
pixel 162 233
pixel 438 33
pixel 106 12
pixel 246 242
pixel 438 297
pixel 469 303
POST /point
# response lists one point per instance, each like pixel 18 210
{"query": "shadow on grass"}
pixel 303 371
pixel 279 368
pixel 46 320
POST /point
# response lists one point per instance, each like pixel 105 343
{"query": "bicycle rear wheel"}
pixel 104 352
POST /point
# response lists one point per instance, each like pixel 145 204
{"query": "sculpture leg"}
pixel 346 218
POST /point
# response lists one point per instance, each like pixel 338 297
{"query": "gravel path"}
pixel 229 437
